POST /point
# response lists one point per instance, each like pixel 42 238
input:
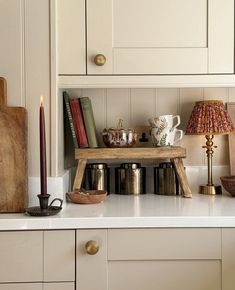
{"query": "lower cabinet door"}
pixel 21 286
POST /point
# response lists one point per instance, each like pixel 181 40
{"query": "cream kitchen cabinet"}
pixel 150 259
pixel 157 37
pixel 39 257
pixel 161 37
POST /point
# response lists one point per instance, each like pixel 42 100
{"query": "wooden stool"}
pixel 175 154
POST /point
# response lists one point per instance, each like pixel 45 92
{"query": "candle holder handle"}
pixel 43 201
pixel 56 199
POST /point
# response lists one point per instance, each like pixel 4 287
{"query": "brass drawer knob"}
pixel 100 59
pixel 92 247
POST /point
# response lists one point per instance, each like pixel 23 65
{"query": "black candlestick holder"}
pixel 43 201
pixel 45 209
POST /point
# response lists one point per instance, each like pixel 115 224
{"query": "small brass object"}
pixel 210 189
pixel 92 247
pixel 100 59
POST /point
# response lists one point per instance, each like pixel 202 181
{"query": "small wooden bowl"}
pixel 87 196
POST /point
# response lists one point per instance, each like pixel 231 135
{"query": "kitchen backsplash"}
pixel 135 106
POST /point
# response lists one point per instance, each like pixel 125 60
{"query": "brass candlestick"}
pixel 210 188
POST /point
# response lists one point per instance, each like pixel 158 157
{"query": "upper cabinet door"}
pixel 71 37
pixel 160 36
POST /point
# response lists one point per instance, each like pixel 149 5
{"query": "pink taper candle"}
pixel 43 159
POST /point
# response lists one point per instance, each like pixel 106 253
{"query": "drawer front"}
pixel 152 244
pixel 21 256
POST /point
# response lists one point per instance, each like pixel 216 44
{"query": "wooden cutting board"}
pixel 13 155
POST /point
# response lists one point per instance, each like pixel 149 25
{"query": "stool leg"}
pixel 79 173
pixel 183 181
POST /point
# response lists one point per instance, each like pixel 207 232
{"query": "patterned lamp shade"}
pixel 209 118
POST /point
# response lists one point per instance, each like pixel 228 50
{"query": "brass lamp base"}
pixel 210 189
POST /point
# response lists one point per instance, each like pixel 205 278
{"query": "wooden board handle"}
pixel 3 92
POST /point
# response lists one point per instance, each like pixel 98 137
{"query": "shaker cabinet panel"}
pixel 165 275
pixel 71 37
pixel 21 256
pixel 59 255
pixel 160 37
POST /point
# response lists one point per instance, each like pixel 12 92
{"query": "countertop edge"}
pixel 115 222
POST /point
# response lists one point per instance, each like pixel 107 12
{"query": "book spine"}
pixel 89 121
pixel 70 119
pixel 78 123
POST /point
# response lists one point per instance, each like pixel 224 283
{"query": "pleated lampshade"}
pixel 209 118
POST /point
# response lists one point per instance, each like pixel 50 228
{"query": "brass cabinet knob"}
pixel 100 59
pixel 92 247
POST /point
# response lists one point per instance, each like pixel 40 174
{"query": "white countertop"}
pixel 142 211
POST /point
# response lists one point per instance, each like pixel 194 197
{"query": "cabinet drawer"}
pixel 152 244
pixel 21 256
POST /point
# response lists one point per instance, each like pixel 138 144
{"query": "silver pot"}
pixel 119 137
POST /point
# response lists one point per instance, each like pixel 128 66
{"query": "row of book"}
pixel 81 121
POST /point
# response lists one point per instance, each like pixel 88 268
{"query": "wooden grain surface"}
pixel 182 177
pixel 125 153
pixel 13 155
pixel 79 173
